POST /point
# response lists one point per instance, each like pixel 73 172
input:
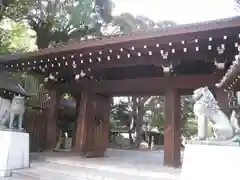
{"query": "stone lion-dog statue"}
pixel 207 110
pixel 9 110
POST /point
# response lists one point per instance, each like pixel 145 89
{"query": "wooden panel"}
pixel 40 118
pixel 156 85
pixel 51 119
pixel 35 120
pixel 93 123
pixel 35 126
pixel 100 125
pixel 82 118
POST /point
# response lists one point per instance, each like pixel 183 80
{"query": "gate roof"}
pixel 185 49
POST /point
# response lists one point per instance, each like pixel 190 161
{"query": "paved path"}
pixel 132 165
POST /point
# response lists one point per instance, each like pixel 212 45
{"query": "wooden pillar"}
pixel 172 125
pixel 52 117
pixel 92 125
pixel 103 129
pixel 222 99
pixel 78 101
pixel 82 121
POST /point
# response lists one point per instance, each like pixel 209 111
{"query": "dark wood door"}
pixel 94 125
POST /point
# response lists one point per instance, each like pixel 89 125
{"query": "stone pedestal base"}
pixel 5 173
pixel 14 151
pixel 210 162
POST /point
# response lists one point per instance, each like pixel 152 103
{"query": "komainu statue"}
pixel 5 105
pixel 9 111
pixel 207 110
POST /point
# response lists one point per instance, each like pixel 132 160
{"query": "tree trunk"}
pixel 139 123
pixel 130 136
pixel 42 41
pixel 134 110
pixel 43 32
pixel 146 133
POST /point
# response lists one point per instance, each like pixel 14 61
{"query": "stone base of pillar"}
pixel 5 173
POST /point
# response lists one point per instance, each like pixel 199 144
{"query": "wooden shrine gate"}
pixel 92 125
pixel 167 61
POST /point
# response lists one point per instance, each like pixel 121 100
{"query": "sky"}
pixel 180 11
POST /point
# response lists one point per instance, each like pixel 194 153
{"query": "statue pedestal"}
pixel 210 162
pixel 14 151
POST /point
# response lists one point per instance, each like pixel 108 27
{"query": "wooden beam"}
pixel 153 85
pixel 124 62
pixel 156 59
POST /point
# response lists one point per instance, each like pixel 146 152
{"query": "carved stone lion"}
pixel 4 112
pixel 17 109
pixel 8 111
pixel 207 110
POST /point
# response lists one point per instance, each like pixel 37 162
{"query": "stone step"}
pixel 49 171
pixel 146 170
pixel 20 176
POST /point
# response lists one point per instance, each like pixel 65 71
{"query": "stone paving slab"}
pixel 49 171
pixel 118 165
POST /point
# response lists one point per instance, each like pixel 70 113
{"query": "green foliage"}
pixel 75 22
pixel 237 4
pixel 14 9
pixel 122 113
pixel 58 21
pixel 67 96
pixel 154 112
pixel 18 37
pixel 189 123
pixel 15 37
pixel 127 23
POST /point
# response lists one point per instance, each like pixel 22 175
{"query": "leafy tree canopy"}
pixel 127 23
pixel 14 9
pixel 58 21
pixel 16 37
